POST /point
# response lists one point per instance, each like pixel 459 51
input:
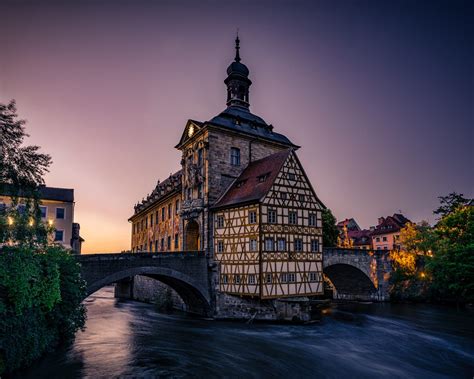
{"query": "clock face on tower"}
pixel 191 131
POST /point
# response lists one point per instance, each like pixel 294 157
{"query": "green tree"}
pixel 452 264
pixel 330 231
pixel 450 203
pixel 21 172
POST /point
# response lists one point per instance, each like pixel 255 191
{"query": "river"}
pixel 129 339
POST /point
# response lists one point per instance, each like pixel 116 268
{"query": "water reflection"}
pixel 129 339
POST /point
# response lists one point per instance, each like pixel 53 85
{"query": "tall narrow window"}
pixel 176 206
pixel 162 244
pixel 272 216
pixel 298 244
pixel 168 243
pixel 253 244
pixel 176 241
pixel 312 219
pixel 292 218
pixel 220 222
pixel 200 192
pixel 170 208
pixel 163 214
pixel 251 278
pixel 234 156
pixel 200 156
pixel 281 244
pixel 315 246
pixel 220 246
pixel 151 220
pixel 252 217
pixel 156 245
pixel 44 211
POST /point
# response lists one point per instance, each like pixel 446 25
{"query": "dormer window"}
pixel 240 183
pixel 262 178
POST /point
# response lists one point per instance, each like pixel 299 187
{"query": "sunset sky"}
pixel 380 95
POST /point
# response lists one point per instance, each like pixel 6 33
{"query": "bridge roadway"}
pixel 353 273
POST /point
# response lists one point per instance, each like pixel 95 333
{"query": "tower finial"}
pixel 237 47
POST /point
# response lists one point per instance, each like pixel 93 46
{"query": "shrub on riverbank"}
pixel 41 291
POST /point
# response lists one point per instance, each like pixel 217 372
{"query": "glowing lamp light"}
pixel 50 222
pixel 31 222
pixel 10 220
pixel 423 275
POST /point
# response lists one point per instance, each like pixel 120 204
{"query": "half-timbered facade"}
pixel 268 231
pixel 244 199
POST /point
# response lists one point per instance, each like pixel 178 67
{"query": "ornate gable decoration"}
pixel 192 127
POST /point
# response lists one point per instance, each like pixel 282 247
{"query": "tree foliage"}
pixel 21 172
pixel 330 231
pixel 452 264
pixel 40 303
pixel 450 203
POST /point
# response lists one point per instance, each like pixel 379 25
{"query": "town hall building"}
pixel 242 197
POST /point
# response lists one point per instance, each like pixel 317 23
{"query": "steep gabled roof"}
pixel 255 181
pixel 391 224
pixel 44 193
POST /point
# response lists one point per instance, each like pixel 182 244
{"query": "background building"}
pixel 386 235
pixel 57 209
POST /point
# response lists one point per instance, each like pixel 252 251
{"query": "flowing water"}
pixel 129 339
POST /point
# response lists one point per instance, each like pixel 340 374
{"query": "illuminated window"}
pixel 234 156
pixel 312 219
pixel 272 216
pixel 252 217
pixel 60 212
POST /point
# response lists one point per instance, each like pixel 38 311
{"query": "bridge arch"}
pixel 350 282
pixel 196 298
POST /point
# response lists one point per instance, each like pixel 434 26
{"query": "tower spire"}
pixel 237 47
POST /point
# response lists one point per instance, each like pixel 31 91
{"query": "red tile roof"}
pixel 391 224
pixel 249 186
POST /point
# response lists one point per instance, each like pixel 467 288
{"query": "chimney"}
pixel 381 220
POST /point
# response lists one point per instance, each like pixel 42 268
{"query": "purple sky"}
pixel 380 95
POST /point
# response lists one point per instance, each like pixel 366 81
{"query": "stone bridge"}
pixel 353 273
pixel 357 274
pixel 186 273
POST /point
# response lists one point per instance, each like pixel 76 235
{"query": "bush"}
pixel 41 293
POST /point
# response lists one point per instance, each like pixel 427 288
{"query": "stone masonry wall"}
pixel 150 290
